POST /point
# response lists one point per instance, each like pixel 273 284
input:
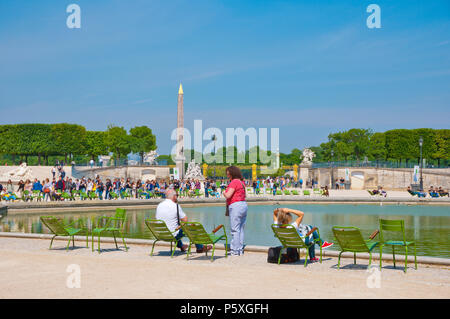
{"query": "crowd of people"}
pixel 432 192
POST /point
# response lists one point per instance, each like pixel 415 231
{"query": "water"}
pixel 428 225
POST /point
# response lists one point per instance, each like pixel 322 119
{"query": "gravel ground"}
pixel 29 270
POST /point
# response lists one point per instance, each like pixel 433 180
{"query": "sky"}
pixel 309 68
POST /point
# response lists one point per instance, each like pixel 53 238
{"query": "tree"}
pixel 117 140
pixel 68 139
pixel 377 147
pixel 442 142
pixel 94 144
pixel 142 140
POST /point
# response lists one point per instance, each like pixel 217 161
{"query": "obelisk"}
pixel 179 159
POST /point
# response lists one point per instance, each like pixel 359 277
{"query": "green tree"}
pixel 68 139
pixel 95 144
pixel 142 140
pixel 117 141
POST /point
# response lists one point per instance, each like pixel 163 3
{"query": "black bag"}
pixel 290 256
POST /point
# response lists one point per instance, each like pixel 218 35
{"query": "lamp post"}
pixel 332 175
pixel 214 139
pixel 421 163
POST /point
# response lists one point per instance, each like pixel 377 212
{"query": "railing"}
pixel 379 164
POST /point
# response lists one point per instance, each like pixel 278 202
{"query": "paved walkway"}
pixel 29 270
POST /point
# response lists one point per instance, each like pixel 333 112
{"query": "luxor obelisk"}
pixel 179 159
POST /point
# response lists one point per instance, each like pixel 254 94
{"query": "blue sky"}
pixel 306 67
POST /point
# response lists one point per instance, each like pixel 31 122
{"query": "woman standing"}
pixel 237 208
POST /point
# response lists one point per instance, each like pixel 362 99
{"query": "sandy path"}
pixel 29 270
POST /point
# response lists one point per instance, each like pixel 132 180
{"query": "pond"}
pixel 428 225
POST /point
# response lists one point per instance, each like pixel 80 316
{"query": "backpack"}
pixel 290 256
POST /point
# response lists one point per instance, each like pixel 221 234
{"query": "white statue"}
pixel 150 158
pixel 308 156
pixel 21 173
pixel 194 171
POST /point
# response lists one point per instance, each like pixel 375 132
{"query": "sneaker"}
pixel 314 259
pixel 326 245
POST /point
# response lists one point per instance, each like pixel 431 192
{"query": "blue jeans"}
pixel 311 249
pixel 180 243
pixel 238 216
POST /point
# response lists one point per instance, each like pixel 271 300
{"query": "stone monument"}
pixel 194 171
pixel 23 172
pixel 179 157
pixel 150 158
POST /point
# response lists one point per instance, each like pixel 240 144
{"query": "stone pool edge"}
pixel 35 207
pixel 250 248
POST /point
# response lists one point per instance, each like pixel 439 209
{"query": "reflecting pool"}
pixel 428 225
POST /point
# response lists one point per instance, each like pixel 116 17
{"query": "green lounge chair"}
pixel 159 230
pixel 198 236
pixel 290 238
pixel 83 195
pixel 113 195
pixel 294 192
pixel 306 193
pixel 58 228
pixel 286 192
pixel 317 191
pixel 115 224
pixel 36 195
pixel 398 226
pixel 351 240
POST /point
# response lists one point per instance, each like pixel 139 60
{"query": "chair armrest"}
pixel 376 232
pixel 217 229
pixel 311 231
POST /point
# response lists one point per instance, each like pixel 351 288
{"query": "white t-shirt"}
pixel 302 229
pixel 167 211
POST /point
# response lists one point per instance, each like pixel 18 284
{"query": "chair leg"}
pixel 73 241
pixel 393 254
pixel 92 243
pixel 354 258
pixel 370 258
pixel 415 256
pixel 279 256
pixel 124 243
pixel 153 247
pixel 68 244
pixel 306 256
pixel 51 242
pixel 226 247
pixel 173 250
pixel 115 241
pixel 98 243
pixel 339 259
pixel 189 250
pixel 406 258
pixel 381 256
pixel 212 254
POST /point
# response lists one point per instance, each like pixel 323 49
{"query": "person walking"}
pixel 236 209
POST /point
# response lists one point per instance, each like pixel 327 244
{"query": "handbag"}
pixel 290 256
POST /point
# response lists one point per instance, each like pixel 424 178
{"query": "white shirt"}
pixel 167 211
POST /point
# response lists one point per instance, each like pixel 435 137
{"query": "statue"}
pixel 150 158
pixel 23 172
pixel 308 156
pixel 194 171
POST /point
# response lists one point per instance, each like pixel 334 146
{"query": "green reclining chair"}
pixel 114 224
pixel 289 238
pixel 398 226
pixel 198 236
pixel 350 239
pixel 59 228
pixel 159 230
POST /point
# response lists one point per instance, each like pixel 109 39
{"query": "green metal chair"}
pixel 398 226
pixel 350 239
pixel 290 238
pixel 198 236
pixel 294 192
pixel 114 224
pixel 159 230
pixel 58 228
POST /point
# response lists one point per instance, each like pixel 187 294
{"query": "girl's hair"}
pixel 283 218
pixel 235 172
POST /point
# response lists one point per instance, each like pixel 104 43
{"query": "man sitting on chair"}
pixel 167 211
